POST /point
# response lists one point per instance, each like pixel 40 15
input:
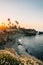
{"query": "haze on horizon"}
pixel 29 13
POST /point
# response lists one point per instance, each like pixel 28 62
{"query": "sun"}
pixel 2 26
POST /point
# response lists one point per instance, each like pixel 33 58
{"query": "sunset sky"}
pixel 29 13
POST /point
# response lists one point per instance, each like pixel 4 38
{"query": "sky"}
pixel 29 13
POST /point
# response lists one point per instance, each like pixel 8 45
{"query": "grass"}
pixel 10 57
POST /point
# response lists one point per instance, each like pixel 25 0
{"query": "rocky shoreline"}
pixel 13 41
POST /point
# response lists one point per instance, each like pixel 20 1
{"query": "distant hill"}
pixel 28 32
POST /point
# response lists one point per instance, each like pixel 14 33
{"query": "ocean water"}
pixel 33 45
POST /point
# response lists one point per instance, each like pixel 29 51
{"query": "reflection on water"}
pixel 34 45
